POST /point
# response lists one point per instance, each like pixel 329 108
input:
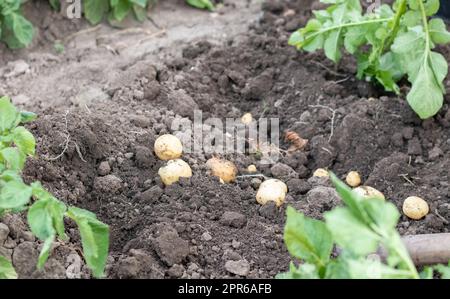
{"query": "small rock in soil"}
pixel 206 236
pixel 282 171
pixel 414 147
pixel 144 157
pixel 298 186
pixel 152 194
pixel 408 133
pixel 24 258
pixel 255 183
pixel 152 90
pixel 435 153
pixel 4 232
pixel 233 219
pixel 128 268
pixel 269 210
pixel 170 248
pixel 257 87
pixel 176 271
pixel 181 103
pixel 108 184
pixel 241 267
pixel 104 168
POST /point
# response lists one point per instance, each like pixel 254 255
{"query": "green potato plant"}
pixel 359 228
pixel 390 43
pixel 45 213
pixel 17 32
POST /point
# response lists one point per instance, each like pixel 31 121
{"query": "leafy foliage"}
pixel 46 214
pixel 389 44
pixel 359 228
pixel 15 30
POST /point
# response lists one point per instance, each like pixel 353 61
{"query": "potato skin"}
pixel 223 169
pixel 272 190
pixel 320 172
pixel 173 171
pixel 369 192
pixel 415 207
pixel 168 147
pixel 353 179
pixel 251 169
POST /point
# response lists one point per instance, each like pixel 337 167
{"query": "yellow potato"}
pixel 173 171
pixel 353 179
pixel 251 168
pixel 247 118
pixel 168 147
pixel 320 172
pixel 369 192
pixel 271 190
pixel 223 169
pixel 415 207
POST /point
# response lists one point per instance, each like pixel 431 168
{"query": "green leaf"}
pixel 351 233
pixel 8 114
pixel 140 13
pixel 14 159
pixel 427 273
pixel 307 239
pixel 426 97
pixel 94 238
pixel 17 31
pixel 55 4
pixel 443 270
pixel 141 3
pixel 45 251
pixel 26 117
pixel 202 4
pixel 94 10
pixel 24 140
pixel 14 194
pixel 374 269
pixel 304 271
pixel 6 269
pixel 121 9
pixel 438 32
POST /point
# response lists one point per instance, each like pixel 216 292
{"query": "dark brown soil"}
pixel 194 228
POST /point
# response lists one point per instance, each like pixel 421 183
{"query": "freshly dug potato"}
pixel 173 171
pixel 168 147
pixel 369 192
pixel 251 169
pixel 353 179
pixel 247 118
pixel 272 190
pixel 223 169
pixel 415 207
pixel 320 172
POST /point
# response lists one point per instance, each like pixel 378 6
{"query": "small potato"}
pixel 168 147
pixel 247 118
pixel 320 172
pixel 173 171
pixel 415 207
pixel 369 192
pixel 223 169
pixel 251 169
pixel 271 190
pixel 353 179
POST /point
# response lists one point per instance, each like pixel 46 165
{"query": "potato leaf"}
pixel 6 269
pixel 94 238
pixel 307 239
pixel 202 4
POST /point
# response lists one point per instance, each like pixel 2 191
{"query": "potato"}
pixel 353 179
pixel 173 171
pixel 320 172
pixel 369 192
pixel 223 169
pixel 247 118
pixel 271 190
pixel 415 207
pixel 251 169
pixel 168 147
